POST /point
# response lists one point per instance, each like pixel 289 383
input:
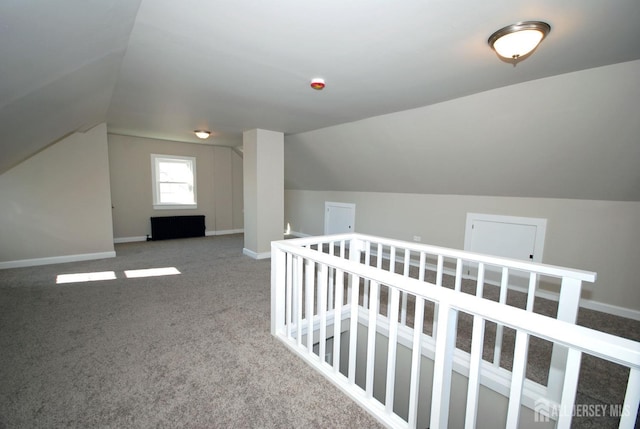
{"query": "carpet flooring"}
pixel 190 350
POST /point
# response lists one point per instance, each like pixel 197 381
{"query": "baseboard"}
pixel 615 310
pixel 224 232
pixel 56 260
pixel 129 239
pixel 254 255
pixel 207 233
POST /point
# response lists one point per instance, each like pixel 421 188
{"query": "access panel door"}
pixel 339 218
pixel 507 236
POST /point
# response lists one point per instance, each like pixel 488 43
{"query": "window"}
pixel 174 182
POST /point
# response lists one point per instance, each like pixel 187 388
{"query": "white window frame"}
pixel 155 182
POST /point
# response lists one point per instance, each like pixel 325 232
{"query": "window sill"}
pixel 175 206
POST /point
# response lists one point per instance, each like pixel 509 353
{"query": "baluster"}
pixel 439 270
pixel 330 284
pixel 337 320
pixel 309 291
pixel 407 260
pixel 299 294
pixel 391 352
pixel 436 308
pixel 416 357
pixel 570 387
pixel 371 339
pixel 631 400
pixel 504 286
pixel 353 329
pixel 517 378
pixel 392 259
pixel 322 313
pixel 423 266
pixel 392 269
pixel 379 265
pixel 367 261
pixel 289 287
pixel 475 360
pixel 458 282
pixel 531 295
pixel 278 290
pixel 443 365
pixel 480 281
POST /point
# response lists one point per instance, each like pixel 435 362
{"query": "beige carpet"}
pixel 191 350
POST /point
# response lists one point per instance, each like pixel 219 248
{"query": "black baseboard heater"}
pixel 167 227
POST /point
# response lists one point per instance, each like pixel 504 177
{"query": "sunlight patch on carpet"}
pixel 85 277
pixel 151 272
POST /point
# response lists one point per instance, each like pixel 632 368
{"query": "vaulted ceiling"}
pixel 162 68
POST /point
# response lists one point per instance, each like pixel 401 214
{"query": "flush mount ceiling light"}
pixel 202 134
pixel 317 84
pixel 514 42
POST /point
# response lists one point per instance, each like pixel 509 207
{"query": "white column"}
pixel 263 177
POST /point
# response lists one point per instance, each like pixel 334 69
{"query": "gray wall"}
pixel 601 236
pixel 219 184
pixel 57 203
pixel 568 136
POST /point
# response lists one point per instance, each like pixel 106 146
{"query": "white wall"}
pixel 601 236
pixel 56 205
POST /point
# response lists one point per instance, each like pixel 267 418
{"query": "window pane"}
pixel 176 193
pixel 179 171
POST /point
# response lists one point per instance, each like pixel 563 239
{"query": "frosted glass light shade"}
pixel 519 39
pixel 201 134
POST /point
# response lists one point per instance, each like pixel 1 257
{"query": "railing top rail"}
pixel 600 344
pixel 515 264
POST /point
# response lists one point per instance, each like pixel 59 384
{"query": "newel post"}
pixel 278 289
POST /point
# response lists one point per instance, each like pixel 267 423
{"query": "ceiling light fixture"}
pixel 317 84
pixel 202 134
pixel 514 42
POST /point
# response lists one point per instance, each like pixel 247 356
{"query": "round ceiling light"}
pixel 317 84
pixel 202 134
pixel 518 40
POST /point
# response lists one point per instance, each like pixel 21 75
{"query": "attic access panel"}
pixel 505 236
pixel 339 218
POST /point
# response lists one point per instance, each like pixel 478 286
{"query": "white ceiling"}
pixel 162 68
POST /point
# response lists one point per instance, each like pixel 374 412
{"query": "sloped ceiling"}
pixel 59 63
pixel 162 68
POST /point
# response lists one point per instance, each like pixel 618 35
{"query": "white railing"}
pixel 319 295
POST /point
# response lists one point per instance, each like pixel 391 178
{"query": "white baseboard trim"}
pixel 254 255
pixel 56 260
pixel 224 232
pixel 129 239
pixel 610 309
pixel 119 240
